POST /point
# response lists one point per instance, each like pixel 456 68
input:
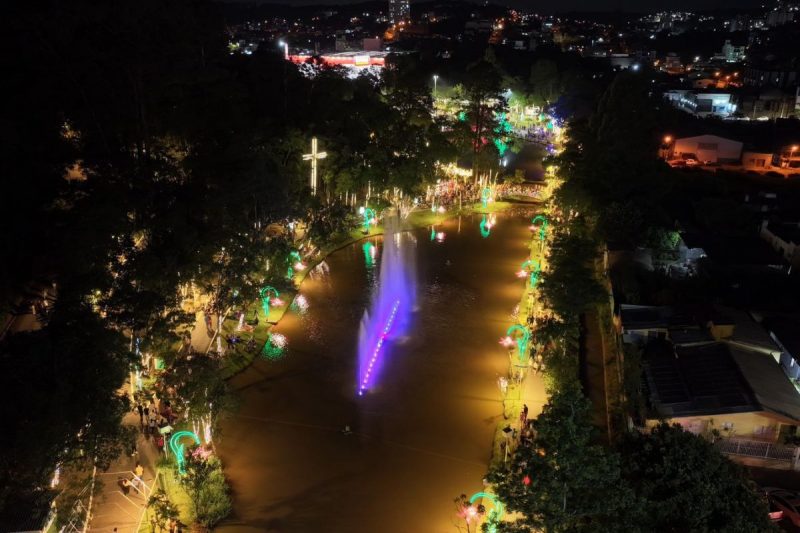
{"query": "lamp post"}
pixel 666 143
pixel 435 79
pixel 792 150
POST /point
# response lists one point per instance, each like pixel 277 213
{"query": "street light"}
pixel 435 79
pixel 285 47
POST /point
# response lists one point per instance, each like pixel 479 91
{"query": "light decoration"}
pixel 542 221
pixel 314 156
pixel 522 340
pixel 367 374
pixel 532 267
pixel 452 170
pixel 370 217
pixel 495 515
pixel 264 294
pixel 178 449
pixel 440 236
pixel 294 260
pixel 274 347
pixel 486 195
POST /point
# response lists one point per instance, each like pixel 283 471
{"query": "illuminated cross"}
pixel 313 157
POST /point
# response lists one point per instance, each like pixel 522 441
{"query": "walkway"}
pixel 112 508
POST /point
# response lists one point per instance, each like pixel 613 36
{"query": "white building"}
pixel 703 104
pixel 708 149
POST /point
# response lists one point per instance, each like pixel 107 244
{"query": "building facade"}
pixel 399 11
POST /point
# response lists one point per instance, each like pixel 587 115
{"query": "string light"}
pixel 376 352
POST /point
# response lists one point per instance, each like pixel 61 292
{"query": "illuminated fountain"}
pixel 391 304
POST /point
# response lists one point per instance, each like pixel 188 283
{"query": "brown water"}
pixel 422 436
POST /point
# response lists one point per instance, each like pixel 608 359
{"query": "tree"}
pixel 60 398
pixel 562 481
pixel 205 483
pixel 544 81
pixel 569 285
pixel 684 484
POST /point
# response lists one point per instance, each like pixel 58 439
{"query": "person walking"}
pixel 140 410
pixel 138 472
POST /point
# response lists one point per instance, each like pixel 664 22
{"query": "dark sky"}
pixel 548 6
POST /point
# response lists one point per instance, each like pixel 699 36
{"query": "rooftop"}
pixel 717 378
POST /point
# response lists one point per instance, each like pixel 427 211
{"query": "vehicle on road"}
pixel 785 501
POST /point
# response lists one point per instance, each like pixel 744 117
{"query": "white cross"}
pixel 313 157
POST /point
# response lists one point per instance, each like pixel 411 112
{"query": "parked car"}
pixel 677 163
pixel 786 501
pixel 691 162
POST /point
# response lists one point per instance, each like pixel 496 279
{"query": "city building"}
pixel 702 104
pixel 788 157
pixel 707 149
pixel 399 11
pixel 731 53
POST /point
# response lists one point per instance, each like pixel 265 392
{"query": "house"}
pixel 785 239
pixel 719 389
pixel 708 149
pixel 788 157
pixel 756 160
pixel 641 323
pixel 786 334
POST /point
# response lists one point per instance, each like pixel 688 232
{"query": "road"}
pixel 421 438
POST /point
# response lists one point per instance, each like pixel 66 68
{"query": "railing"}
pixel 758 449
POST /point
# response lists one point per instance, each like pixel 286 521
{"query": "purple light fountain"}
pixel 391 304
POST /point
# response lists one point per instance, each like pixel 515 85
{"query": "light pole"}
pixel 792 150
pixel 666 143
pixel 435 79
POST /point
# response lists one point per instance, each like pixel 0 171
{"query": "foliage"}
pixel 205 483
pixel 61 401
pixel 569 286
pixel 684 484
pixel 163 509
pixel 195 384
pixel 562 482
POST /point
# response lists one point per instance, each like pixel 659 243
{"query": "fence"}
pixel 759 449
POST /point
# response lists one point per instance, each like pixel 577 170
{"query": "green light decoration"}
pixel 549 125
pixel 501 146
pixel 274 347
pixel 542 220
pixel 486 194
pixel 369 217
pixel 485 229
pixel 532 267
pixel 178 449
pixel 294 258
pixel 264 295
pixel 369 254
pixel 462 116
pixel 522 340
pixel 495 515
pixel 433 233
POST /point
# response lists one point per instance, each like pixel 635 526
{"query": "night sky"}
pixel 575 5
